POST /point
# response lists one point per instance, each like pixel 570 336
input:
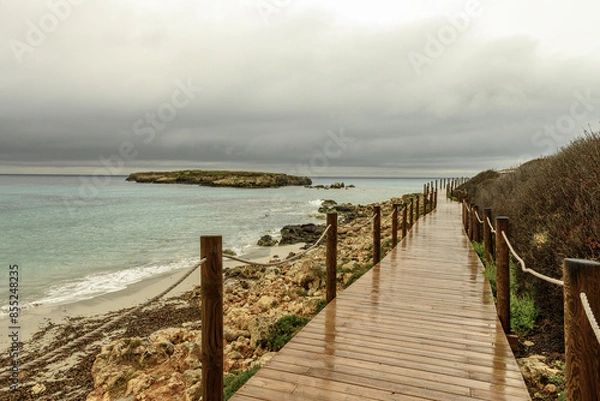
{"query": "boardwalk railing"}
pixel 212 279
pixel 211 272
pixel 580 278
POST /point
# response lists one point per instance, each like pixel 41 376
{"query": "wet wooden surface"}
pixel 420 325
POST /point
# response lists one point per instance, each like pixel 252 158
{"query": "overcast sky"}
pixel 327 87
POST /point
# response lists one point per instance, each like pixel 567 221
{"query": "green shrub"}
pixel 523 314
pixel 490 274
pixel 553 207
pixel 283 330
pixel 236 379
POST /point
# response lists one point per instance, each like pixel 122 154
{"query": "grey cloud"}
pixel 270 94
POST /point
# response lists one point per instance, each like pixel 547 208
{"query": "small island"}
pixel 216 178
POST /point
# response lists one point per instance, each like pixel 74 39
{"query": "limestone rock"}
pixel 266 240
pixel 305 272
pixel 38 389
pixel 535 371
pixel 294 234
pixel 260 328
pixel 230 334
pixel 149 369
pixel 266 358
pixel 266 302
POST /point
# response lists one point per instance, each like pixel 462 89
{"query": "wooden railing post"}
pixel 424 203
pixel 212 317
pixel 582 351
pixel 431 202
pixel 435 198
pixel 376 235
pixel 502 274
pixel 417 206
pixel 331 261
pixel 470 218
pixel 411 211
pixel 487 234
pixel 394 224
pixel 476 236
pixel 464 215
pixel 404 222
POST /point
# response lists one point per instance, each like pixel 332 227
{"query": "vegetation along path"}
pixel 420 325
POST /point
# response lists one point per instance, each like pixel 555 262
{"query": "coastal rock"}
pixel 335 185
pixel 230 334
pixel 38 389
pixel 535 370
pixel 266 240
pixel 306 274
pixel 266 302
pixel 347 211
pixel 150 369
pixel 260 327
pixel 294 234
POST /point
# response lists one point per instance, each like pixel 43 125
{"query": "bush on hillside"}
pixel 554 208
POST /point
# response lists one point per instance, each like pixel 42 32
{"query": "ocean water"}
pixel 74 241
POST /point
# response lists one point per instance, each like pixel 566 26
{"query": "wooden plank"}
pixel 420 325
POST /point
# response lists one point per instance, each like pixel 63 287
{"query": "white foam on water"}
pixel 98 284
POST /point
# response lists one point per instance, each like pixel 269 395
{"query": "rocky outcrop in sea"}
pixel 237 179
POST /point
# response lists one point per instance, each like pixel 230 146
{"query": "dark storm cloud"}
pixel 194 85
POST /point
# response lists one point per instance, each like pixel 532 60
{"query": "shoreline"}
pixel 34 319
pixel 250 295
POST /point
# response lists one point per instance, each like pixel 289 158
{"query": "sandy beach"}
pixel 60 344
pixel 34 319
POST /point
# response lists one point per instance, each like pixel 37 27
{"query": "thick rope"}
pixel 295 257
pixel 54 354
pixel 391 216
pixel 590 315
pixel 478 218
pixel 491 225
pixel 526 270
pixel 361 226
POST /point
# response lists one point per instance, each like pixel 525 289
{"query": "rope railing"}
pixel 478 218
pixel 580 277
pixel 590 315
pixel 492 229
pixel 290 259
pixel 391 215
pixel 352 228
pixel 49 357
pixel 526 269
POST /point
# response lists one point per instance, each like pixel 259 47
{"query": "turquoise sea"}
pixel 73 240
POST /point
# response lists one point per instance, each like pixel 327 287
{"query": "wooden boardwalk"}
pixel 420 325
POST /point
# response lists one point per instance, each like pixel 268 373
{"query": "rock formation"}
pixel 238 179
